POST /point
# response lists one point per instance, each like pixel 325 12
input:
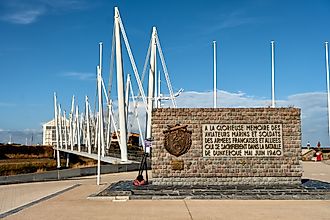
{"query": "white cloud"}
pixel 80 75
pixel 314 116
pixel 32 130
pixel 66 4
pixel 24 16
pixel 313 108
pixel 29 11
pixel 192 99
pixel 42 123
pixel 231 20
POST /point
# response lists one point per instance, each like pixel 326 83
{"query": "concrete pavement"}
pixel 73 204
pixel 317 171
pixel 13 196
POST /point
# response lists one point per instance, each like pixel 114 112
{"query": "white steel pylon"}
pixel 88 130
pixel 155 97
pixel 136 114
pixel 65 130
pixel 100 133
pixel 77 128
pixel 167 77
pixel 120 90
pixel 128 81
pixel 71 140
pixel 57 134
pixel 151 84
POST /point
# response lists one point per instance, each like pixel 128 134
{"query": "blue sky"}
pixel 48 45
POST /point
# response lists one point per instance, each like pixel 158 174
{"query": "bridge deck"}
pixel 107 159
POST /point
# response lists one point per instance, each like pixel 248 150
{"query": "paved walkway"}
pixel 14 196
pixel 317 170
pixel 73 204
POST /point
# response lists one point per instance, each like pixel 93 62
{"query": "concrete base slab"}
pixel 308 190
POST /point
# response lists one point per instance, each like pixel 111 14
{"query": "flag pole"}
pixel 214 75
pixel 328 84
pixel 273 74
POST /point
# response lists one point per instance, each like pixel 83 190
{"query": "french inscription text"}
pixel 242 140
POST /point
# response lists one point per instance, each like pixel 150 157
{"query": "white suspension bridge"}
pixel 88 134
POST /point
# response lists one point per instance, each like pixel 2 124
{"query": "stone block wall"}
pixel 199 169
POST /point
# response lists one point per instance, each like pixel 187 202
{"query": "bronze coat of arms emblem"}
pixel 177 140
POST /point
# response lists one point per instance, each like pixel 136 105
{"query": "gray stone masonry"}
pixel 199 170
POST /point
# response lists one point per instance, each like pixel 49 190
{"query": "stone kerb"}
pixel 229 146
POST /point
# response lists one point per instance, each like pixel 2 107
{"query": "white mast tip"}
pixel 116 12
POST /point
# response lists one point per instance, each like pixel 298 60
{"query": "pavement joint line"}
pixel 188 209
pixel 20 208
pixel 119 200
pixel 101 198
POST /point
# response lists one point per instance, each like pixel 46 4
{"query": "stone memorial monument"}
pixel 226 146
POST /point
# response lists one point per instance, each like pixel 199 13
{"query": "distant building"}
pixel 49 132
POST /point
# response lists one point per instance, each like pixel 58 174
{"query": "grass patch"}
pixel 8 167
pixel 8 151
pixel 21 159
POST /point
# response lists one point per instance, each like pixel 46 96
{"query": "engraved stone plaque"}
pixel 242 140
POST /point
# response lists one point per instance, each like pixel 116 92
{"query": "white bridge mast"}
pixel 151 84
pixel 120 90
